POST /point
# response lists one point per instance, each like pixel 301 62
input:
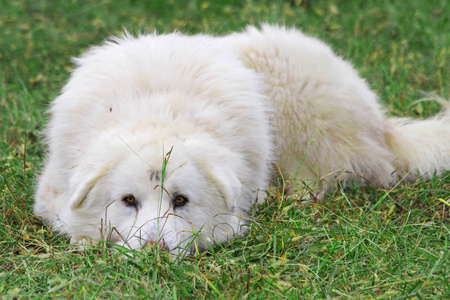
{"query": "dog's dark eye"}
pixel 129 200
pixel 179 200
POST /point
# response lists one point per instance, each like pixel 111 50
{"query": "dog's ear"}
pixel 221 166
pixel 229 185
pixel 83 187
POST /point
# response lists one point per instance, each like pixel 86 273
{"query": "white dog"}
pixel 171 139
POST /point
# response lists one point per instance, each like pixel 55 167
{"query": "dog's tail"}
pixel 421 145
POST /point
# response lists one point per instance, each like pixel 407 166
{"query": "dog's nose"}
pixel 150 245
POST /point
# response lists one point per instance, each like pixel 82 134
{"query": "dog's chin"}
pixel 182 242
pixel 168 245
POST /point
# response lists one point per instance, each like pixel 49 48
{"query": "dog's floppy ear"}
pixel 83 187
pixel 220 165
pixel 228 183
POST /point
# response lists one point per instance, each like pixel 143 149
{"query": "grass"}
pixel 369 243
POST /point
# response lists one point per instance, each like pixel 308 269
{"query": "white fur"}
pixel 217 113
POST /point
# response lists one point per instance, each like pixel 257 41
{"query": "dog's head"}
pixel 183 197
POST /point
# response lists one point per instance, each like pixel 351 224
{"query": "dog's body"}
pixel 191 127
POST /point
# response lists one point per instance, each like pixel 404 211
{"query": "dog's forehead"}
pixel 151 165
pixel 155 175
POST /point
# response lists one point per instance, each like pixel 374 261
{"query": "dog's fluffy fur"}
pixel 209 119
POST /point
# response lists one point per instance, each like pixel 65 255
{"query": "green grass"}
pixel 369 243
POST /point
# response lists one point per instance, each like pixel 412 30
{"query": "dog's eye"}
pixel 129 200
pixel 179 200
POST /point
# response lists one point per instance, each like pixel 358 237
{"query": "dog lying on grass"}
pixel 170 139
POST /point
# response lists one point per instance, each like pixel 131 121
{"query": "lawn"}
pixel 360 243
